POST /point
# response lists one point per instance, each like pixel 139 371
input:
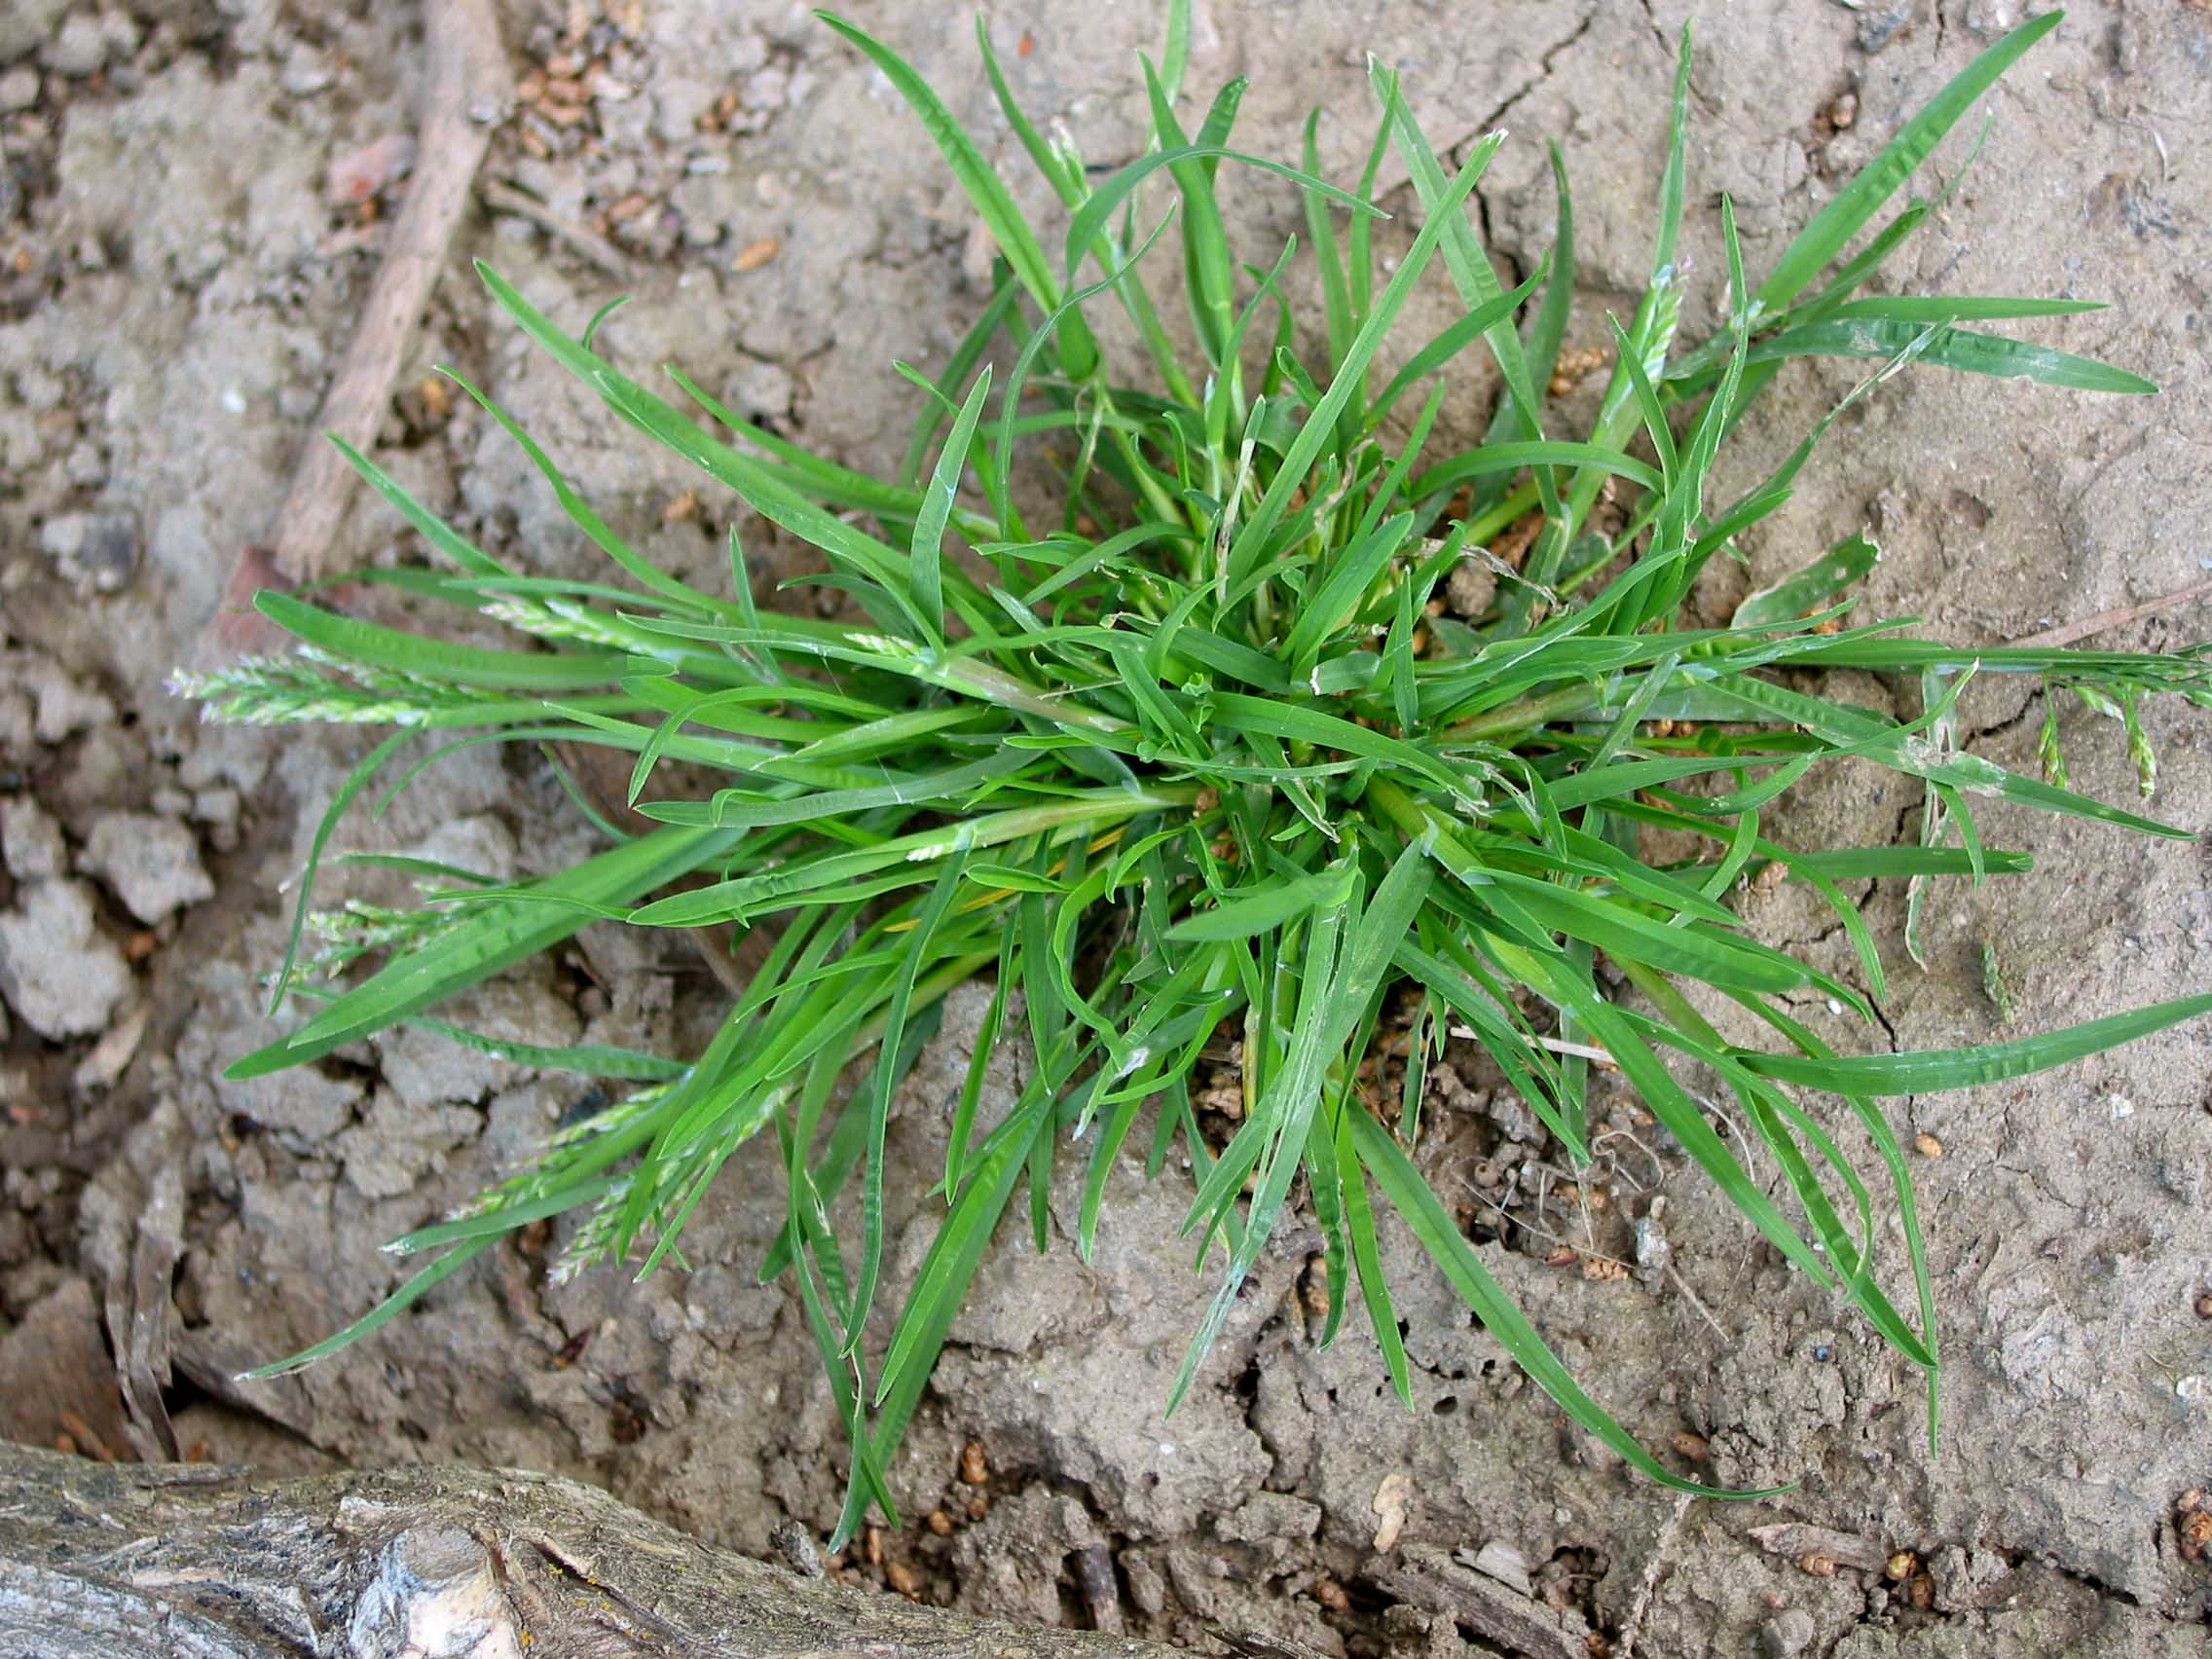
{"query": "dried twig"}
pixel 133 1237
pixel 1683 1286
pixel 1802 1543
pixel 466 92
pixel 503 198
pixel 2070 632
pixel 1653 1563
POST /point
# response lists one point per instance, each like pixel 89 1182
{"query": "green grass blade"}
pixel 1805 590
pixel 495 937
pixel 435 529
pixel 1352 373
pixel 1453 339
pixel 1207 261
pixel 1833 227
pixel 1090 220
pixel 419 1285
pixel 356 780
pixel 434 660
pixel 1925 1072
pixel 1959 348
pixel 936 510
pixel 927 920
pixel 985 190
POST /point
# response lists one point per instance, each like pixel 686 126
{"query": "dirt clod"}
pixel 153 864
pixel 58 970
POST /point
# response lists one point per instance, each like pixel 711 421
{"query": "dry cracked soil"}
pixel 176 285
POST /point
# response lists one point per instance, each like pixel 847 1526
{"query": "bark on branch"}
pixel 104 1558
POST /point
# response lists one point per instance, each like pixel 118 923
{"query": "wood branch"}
pixel 466 90
pixel 101 1558
pixel 1427 1577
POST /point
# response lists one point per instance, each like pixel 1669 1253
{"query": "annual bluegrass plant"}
pixel 1180 759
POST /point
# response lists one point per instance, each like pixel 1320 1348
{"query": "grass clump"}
pixel 1179 758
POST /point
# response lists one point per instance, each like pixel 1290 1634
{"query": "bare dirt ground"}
pixel 175 287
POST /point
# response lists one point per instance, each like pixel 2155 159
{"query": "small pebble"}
pixel 1470 588
pixel 305 71
pixel 30 840
pixel 99 550
pixel 362 174
pixel 768 89
pixel 79 49
pixel 1786 1634
pixel 762 388
pixel 797 1547
pixel 19 89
